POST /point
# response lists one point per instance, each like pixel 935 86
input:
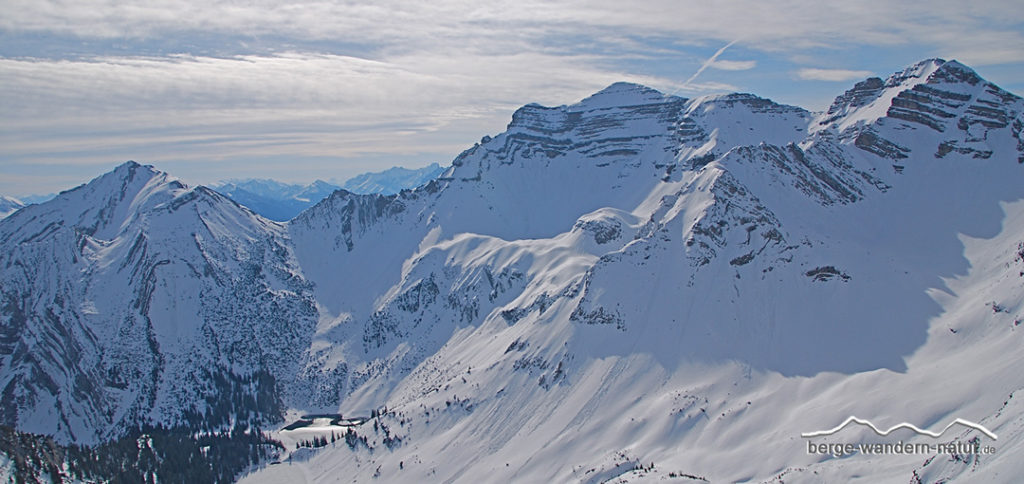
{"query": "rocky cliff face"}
pixel 959 108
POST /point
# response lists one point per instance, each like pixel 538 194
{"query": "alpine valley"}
pixel 636 287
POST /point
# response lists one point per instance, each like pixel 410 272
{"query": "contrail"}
pixel 705 65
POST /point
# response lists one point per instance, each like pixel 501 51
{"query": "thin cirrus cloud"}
pixel 834 75
pixel 288 106
pixel 330 83
pixel 435 88
pixel 396 23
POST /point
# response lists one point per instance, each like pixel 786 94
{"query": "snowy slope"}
pixel 630 288
pixel 9 205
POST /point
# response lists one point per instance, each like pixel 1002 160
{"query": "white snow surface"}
pixel 630 280
pixel 9 205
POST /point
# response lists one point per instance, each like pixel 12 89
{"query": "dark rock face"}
pixel 861 95
pixel 538 133
pixel 869 141
pixel 948 99
pixel 347 215
pixel 603 231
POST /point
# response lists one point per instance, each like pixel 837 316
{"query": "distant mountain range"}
pixel 9 205
pixel 635 287
pixel 392 180
pixel 282 201
pixel 30 199
pixel 273 199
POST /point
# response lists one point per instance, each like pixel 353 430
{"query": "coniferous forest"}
pixel 175 455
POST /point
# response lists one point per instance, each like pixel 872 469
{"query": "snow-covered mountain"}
pixel 136 299
pixel 273 199
pixel 392 180
pixel 633 287
pixel 9 205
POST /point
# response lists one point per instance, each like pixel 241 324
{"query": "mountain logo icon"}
pixel 867 423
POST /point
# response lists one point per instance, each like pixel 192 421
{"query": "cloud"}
pixel 402 26
pixel 87 81
pixel 835 75
pixel 728 65
pixel 433 86
pixel 290 106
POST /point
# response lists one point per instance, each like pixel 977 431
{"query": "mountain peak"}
pixel 930 63
pixel 319 184
pixel 954 72
pixel 130 164
pixel 100 207
pixel 130 171
pixel 622 94
pixel 934 71
pixel 873 98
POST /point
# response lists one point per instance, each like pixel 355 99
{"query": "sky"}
pixel 326 89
